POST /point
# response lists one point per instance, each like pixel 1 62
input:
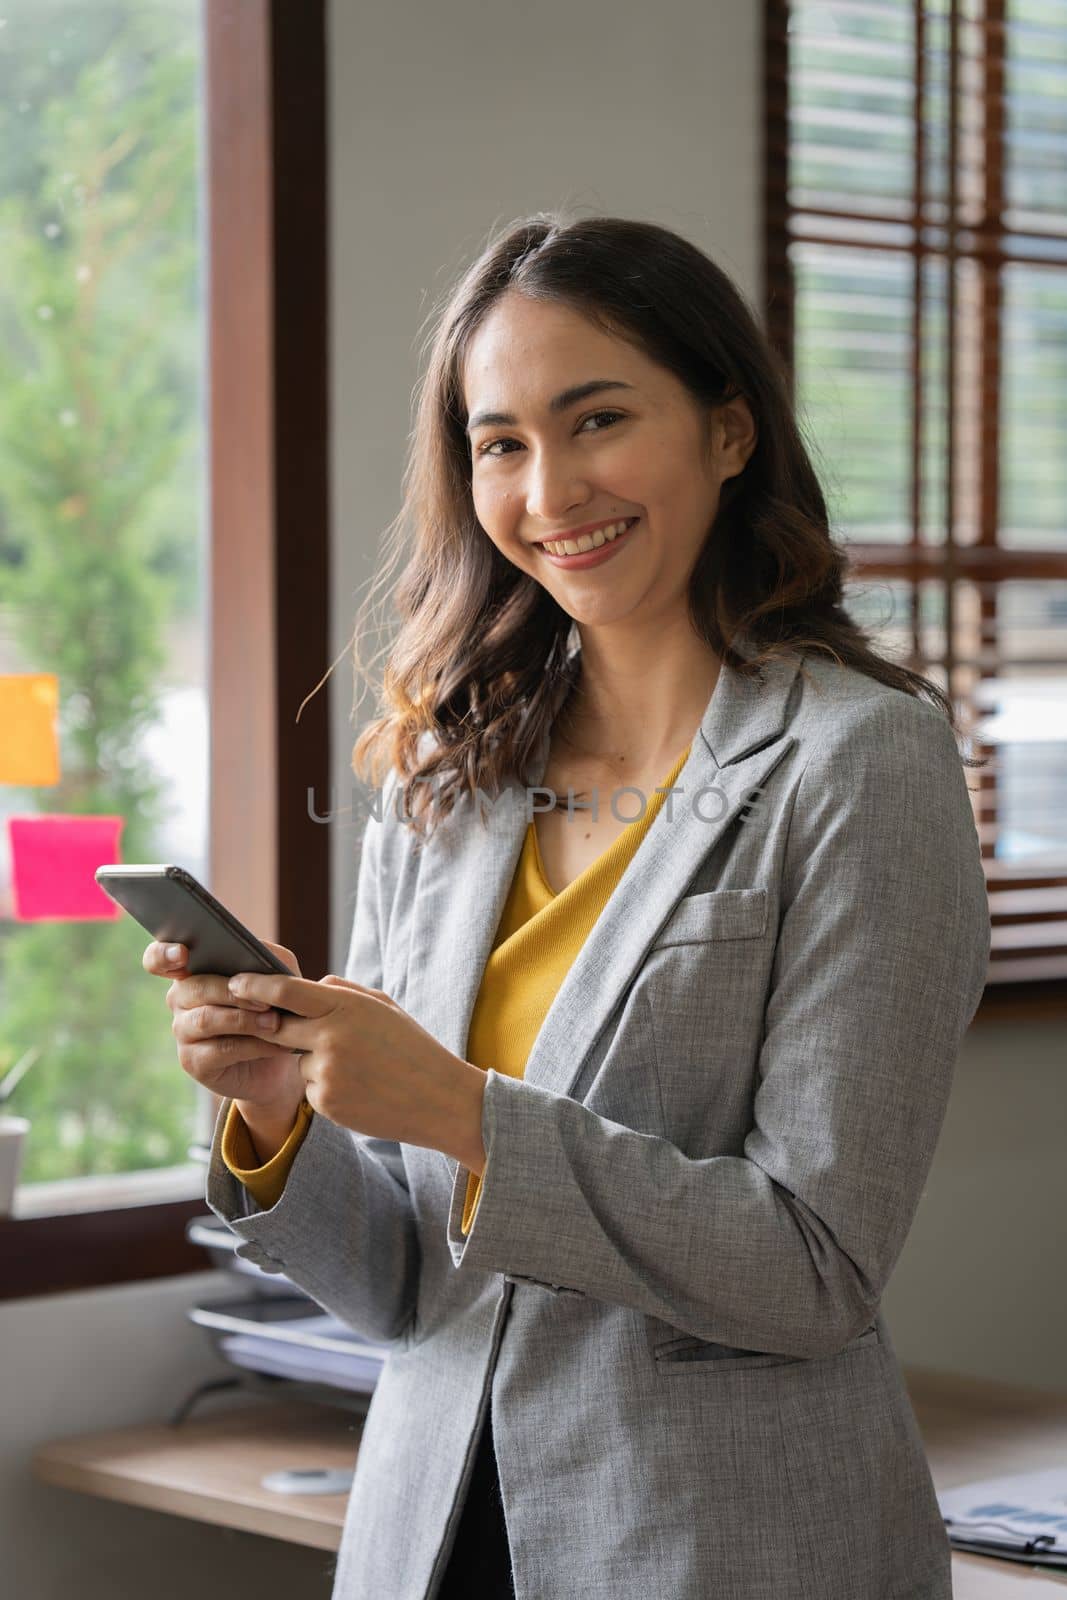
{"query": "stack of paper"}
pixel 295 1339
pixel 359 1373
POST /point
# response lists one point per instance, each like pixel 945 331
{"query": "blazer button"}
pixel 259 1257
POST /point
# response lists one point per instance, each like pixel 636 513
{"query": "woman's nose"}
pixel 553 497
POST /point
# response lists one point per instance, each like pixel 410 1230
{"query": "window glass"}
pixel 103 715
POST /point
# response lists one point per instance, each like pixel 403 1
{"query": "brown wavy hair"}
pixel 481 649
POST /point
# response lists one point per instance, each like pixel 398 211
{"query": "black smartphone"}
pixel 174 908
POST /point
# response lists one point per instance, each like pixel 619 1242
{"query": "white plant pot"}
pixel 13 1131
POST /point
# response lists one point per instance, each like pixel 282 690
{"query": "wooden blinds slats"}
pixel 915 285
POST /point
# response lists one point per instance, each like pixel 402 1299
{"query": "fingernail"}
pixel 269 1019
pixel 173 952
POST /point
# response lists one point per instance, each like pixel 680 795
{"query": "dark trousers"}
pixel 480 1563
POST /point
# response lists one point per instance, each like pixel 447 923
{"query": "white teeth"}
pixel 588 541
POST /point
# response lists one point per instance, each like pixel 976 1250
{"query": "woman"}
pixel 619 1118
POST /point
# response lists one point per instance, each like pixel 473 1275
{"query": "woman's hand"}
pixel 371 1067
pixel 223 1042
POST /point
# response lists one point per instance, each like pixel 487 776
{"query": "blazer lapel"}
pixel 468 870
pixel 463 884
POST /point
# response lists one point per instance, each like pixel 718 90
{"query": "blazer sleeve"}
pixel 343 1228
pixel 879 966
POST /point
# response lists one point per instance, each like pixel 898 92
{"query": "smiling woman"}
pixel 625 1175
pixel 698 454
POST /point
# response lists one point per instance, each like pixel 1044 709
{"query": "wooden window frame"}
pixel 1019 999
pixel 268 582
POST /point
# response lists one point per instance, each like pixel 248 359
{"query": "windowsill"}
pixel 70 1196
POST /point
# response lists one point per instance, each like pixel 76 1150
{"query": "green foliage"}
pixel 101 471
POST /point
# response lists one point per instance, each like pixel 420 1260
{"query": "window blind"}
pixel 915 282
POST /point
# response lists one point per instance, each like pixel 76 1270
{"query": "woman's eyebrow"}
pixel 560 402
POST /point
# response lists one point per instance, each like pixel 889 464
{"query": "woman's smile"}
pixel 591 558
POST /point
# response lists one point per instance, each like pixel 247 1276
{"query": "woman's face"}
pixel 633 451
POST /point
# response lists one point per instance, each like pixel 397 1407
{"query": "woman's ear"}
pixel 737 435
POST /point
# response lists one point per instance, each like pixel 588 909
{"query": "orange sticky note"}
pixel 53 859
pixel 29 745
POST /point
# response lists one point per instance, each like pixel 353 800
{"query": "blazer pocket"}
pixel 675 1356
pixel 716 914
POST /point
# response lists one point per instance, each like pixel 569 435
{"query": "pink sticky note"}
pixel 53 859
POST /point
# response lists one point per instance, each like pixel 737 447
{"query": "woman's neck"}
pixel 602 726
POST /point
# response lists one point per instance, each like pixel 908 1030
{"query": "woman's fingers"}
pixel 220 1041
pixel 204 988
pixel 248 1069
pixel 157 960
pixel 208 989
pixel 192 1023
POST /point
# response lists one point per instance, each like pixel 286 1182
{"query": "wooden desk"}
pixel 210 1467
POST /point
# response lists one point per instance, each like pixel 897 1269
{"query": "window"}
pixel 102 603
pixel 916 285
pixel 210 729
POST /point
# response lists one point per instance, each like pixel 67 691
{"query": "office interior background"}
pixel 437 122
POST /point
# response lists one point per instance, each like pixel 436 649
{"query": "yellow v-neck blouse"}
pixel 537 939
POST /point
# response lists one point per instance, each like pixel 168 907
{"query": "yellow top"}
pixel 539 935
pixel 264 1183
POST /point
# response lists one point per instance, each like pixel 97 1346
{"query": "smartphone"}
pixel 174 908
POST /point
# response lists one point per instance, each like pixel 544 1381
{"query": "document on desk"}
pixel 1021 1518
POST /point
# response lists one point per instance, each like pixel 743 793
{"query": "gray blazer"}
pixel 696 1195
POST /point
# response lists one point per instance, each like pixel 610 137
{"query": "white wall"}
pixel 444 121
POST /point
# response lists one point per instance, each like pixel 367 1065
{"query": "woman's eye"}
pixel 613 416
